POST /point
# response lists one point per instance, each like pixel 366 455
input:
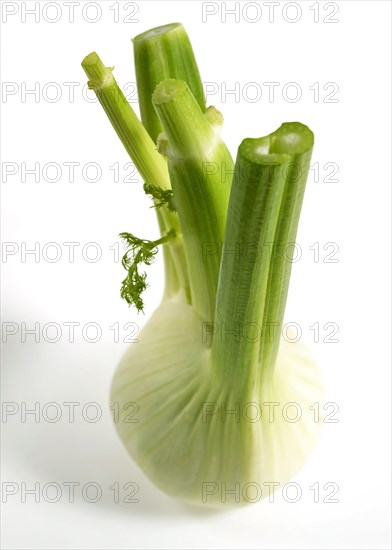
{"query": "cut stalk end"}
pixel 168 90
pixel 96 71
pixel 156 31
pixel 162 53
pixel 292 138
pixel 187 128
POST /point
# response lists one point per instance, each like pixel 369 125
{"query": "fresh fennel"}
pixel 209 212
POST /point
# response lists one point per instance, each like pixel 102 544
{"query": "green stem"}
pixel 150 164
pixel 129 129
pixel 173 284
pixel 161 53
pixel 263 216
pixel 296 140
pixel 200 169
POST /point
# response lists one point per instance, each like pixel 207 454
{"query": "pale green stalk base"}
pixel 170 376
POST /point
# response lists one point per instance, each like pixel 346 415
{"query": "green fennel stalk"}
pixel 265 204
pixel 161 53
pixel 192 146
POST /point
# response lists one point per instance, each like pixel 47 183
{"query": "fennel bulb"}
pixel 211 376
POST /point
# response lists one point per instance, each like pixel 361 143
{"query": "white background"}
pixel 354 212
